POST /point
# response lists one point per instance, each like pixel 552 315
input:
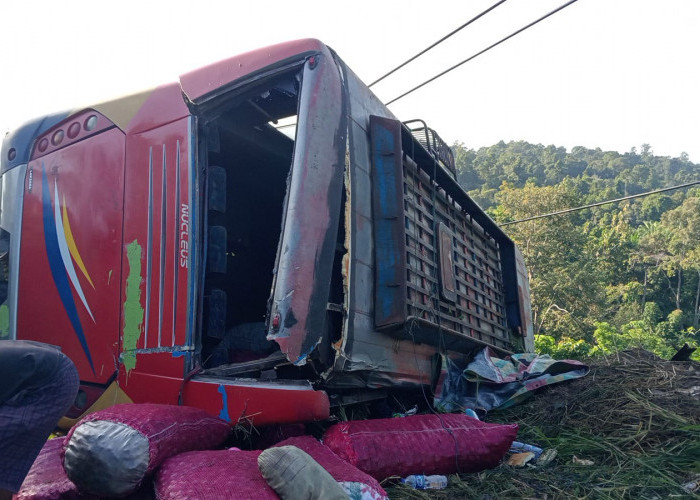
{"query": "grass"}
pixel 637 417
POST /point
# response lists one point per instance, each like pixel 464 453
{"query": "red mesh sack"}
pixel 46 479
pixel 341 470
pixel 209 475
pixel 110 452
pixel 421 444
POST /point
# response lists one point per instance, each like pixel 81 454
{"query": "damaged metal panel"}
pixel 367 356
pixel 526 328
pixel 389 235
pixel 312 213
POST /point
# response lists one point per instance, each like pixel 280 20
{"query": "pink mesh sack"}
pixel 46 479
pixel 342 471
pixel 206 475
pixel 109 453
pixel 421 444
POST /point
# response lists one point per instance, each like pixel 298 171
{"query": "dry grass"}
pixel 637 417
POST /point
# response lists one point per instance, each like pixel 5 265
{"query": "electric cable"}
pixel 561 7
pixel 601 203
pixel 437 43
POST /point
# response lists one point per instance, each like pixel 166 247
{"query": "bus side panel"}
pixel 157 238
pixel 70 264
pixel 368 357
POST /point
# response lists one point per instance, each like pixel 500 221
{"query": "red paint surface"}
pixel 198 83
pixel 161 317
pixel 262 405
pixel 164 105
pixel 90 177
pixel 144 387
pixel 105 180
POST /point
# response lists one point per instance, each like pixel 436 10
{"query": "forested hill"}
pixel 594 171
pixel 605 278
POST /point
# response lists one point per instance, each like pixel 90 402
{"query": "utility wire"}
pixel 561 7
pixel 436 43
pixel 601 203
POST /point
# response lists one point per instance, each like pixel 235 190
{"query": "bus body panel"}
pixel 156 261
pixel 204 83
pixel 70 266
pixel 114 242
pixel 304 267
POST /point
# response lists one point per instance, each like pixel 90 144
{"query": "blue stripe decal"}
pixel 223 414
pixel 58 272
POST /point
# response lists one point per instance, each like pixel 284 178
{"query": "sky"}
pixel 613 74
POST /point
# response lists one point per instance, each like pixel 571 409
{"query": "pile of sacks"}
pixel 174 452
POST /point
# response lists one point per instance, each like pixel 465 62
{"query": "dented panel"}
pixel 308 240
pixel 367 356
pixel 384 263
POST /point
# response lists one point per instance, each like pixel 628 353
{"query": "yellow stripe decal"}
pixel 71 244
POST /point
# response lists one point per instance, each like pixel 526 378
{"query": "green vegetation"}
pixel 606 278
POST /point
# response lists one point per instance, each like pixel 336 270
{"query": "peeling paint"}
pixel 223 414
pixel 301 360
pixel 109 278
pixel 4 321
pixel 133 312
pixel 339 346
pixel 289 319
pixel 348 225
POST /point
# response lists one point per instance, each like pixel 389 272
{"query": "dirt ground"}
pixel 629 429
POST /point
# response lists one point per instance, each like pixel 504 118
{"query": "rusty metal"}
pixel 430 139
pixel 476 308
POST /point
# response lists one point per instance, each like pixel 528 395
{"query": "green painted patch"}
pixel 133 312
pixel 4 321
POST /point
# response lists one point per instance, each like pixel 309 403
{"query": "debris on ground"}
pixel 422 482
pixel 634 416
pixel 630 429
pixel 490 382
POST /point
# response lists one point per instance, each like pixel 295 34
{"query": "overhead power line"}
pixel 601 203
pixel 561 7
pixel 436 43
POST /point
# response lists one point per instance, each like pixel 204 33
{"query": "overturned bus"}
pixel 261 239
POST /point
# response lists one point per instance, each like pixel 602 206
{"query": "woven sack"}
pixel 111 452
pixel 420 444
pixel 46 480
pixel 294 475
pixel 209 475
pixel 349 476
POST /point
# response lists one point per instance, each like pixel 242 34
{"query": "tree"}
pixel 563 279
pixel 683 227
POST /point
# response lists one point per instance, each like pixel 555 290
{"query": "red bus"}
pixel 261 239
